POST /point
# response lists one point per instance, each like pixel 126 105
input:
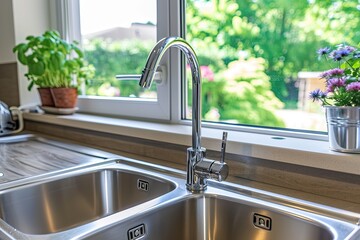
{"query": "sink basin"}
pixel 206 217
pixel 131 200
pixel 57 205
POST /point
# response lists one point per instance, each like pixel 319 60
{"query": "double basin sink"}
pixel 129 200
pixel 112 197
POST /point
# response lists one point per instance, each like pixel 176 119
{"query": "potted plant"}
pixel 55 66
pixel 341 98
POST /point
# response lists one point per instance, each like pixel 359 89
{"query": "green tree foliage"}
pixel 219 33
pixel 285 33
pixel 111 58
pixel 275 38
pixel 241 94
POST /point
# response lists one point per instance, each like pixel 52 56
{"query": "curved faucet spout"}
pixel 153 62
pixel 198 168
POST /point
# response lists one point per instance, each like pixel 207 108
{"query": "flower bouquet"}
pixel 341 98
pixel 342 82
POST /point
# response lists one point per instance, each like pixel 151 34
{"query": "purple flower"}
pixel 337 55
pixel 345 47
pixel 334 83
pixel 341 52
pixel 323 51
pixel 342 83
pixel 317 95
pixel 336 72
pixel 350 48
pixel 354 86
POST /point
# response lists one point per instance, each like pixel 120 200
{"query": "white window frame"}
pixel 168 106
pixel 67 14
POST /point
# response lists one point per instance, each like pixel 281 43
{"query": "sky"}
pixel 97 15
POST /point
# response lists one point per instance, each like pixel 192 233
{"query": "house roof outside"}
pixel 139 31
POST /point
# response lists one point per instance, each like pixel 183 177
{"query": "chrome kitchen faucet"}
pixel 199 168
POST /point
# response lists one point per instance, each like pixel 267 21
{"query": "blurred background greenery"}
pixel 251 52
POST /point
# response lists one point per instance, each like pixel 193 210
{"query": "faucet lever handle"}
pixel 223 146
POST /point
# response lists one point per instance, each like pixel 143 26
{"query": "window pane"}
pixel 258 58
pixel 117 36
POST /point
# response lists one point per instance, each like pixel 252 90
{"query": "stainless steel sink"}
pixel 57 205
pixel 131 200
pixel 209 216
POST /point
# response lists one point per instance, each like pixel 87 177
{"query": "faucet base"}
pixel 196 189
pixel 194 182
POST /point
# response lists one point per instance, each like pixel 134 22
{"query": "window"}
pixel 258 58
pixel 118 41
pixel 117 37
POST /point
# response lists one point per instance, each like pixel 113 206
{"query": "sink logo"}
pixel 143 185
pixel 262 221
pixel 136 232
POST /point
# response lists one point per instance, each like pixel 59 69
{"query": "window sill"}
pixel 305 152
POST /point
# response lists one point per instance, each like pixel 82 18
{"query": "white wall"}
pixel 7 35
pixel 30 18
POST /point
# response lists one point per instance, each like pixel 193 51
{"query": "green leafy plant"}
pixel 52 61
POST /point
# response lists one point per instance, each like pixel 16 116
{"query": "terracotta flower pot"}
pixel 46 97
pixel 64 97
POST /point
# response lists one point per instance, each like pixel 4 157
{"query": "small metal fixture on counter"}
pixel 8 125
